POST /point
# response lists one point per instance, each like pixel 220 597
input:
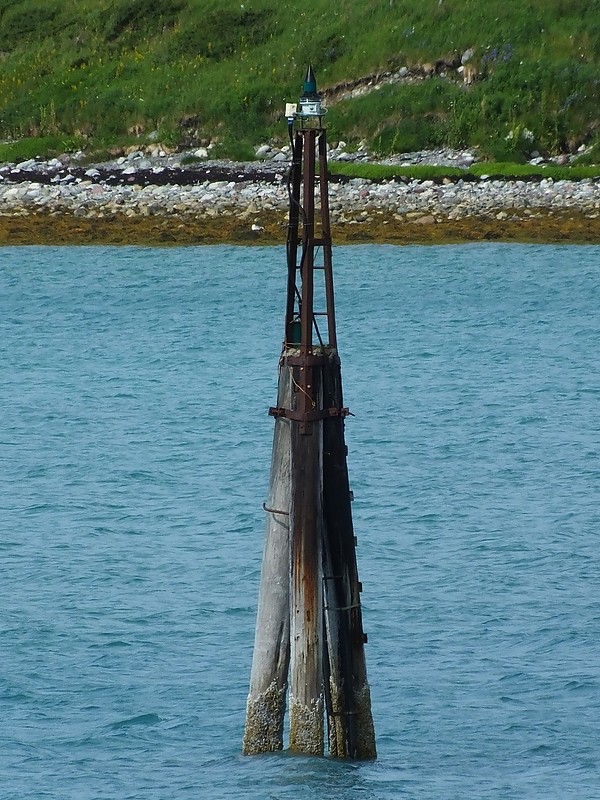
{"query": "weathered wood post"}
pixel 269 677
pixel 309 614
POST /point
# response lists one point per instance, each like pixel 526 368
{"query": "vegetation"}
pixel 505 170
pixel 187 71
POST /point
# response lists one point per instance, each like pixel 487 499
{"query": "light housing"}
pixel 310 102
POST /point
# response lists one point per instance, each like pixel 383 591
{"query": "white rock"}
pixel 201 152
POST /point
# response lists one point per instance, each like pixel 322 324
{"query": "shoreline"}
pixel 43 228
pixel 162 202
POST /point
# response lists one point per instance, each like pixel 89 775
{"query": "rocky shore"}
pixel 166 200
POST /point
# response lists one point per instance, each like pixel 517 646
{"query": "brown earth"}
pixel 68 229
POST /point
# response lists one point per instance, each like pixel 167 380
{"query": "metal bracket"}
pixel 341 608
pixel 310 360
pixel 308 416
pixel 274 510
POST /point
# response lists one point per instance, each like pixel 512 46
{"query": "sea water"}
pixel 134 456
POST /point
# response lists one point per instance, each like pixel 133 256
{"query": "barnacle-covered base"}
pixel 337 725
pixel 363 717
pixel 365 729
pixel 306 727
pixel 264 721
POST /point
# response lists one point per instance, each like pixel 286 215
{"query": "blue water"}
pixel 134 456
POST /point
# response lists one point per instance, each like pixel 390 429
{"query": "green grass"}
pixel 505 170
pixel 380 172
pixel 199 69
pixel 574 172
pixel 45 147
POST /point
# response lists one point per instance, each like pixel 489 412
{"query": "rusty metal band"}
pixel 311 360
pixel 308 416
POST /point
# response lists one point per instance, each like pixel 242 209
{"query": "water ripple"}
pixel 134 466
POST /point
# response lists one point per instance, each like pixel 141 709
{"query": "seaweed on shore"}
pixel 269 229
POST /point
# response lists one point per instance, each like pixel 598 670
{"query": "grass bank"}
pixel 510 78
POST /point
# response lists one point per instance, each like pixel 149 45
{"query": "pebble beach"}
pixel 157 197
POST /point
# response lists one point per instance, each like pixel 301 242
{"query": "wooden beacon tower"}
pixel 309 635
